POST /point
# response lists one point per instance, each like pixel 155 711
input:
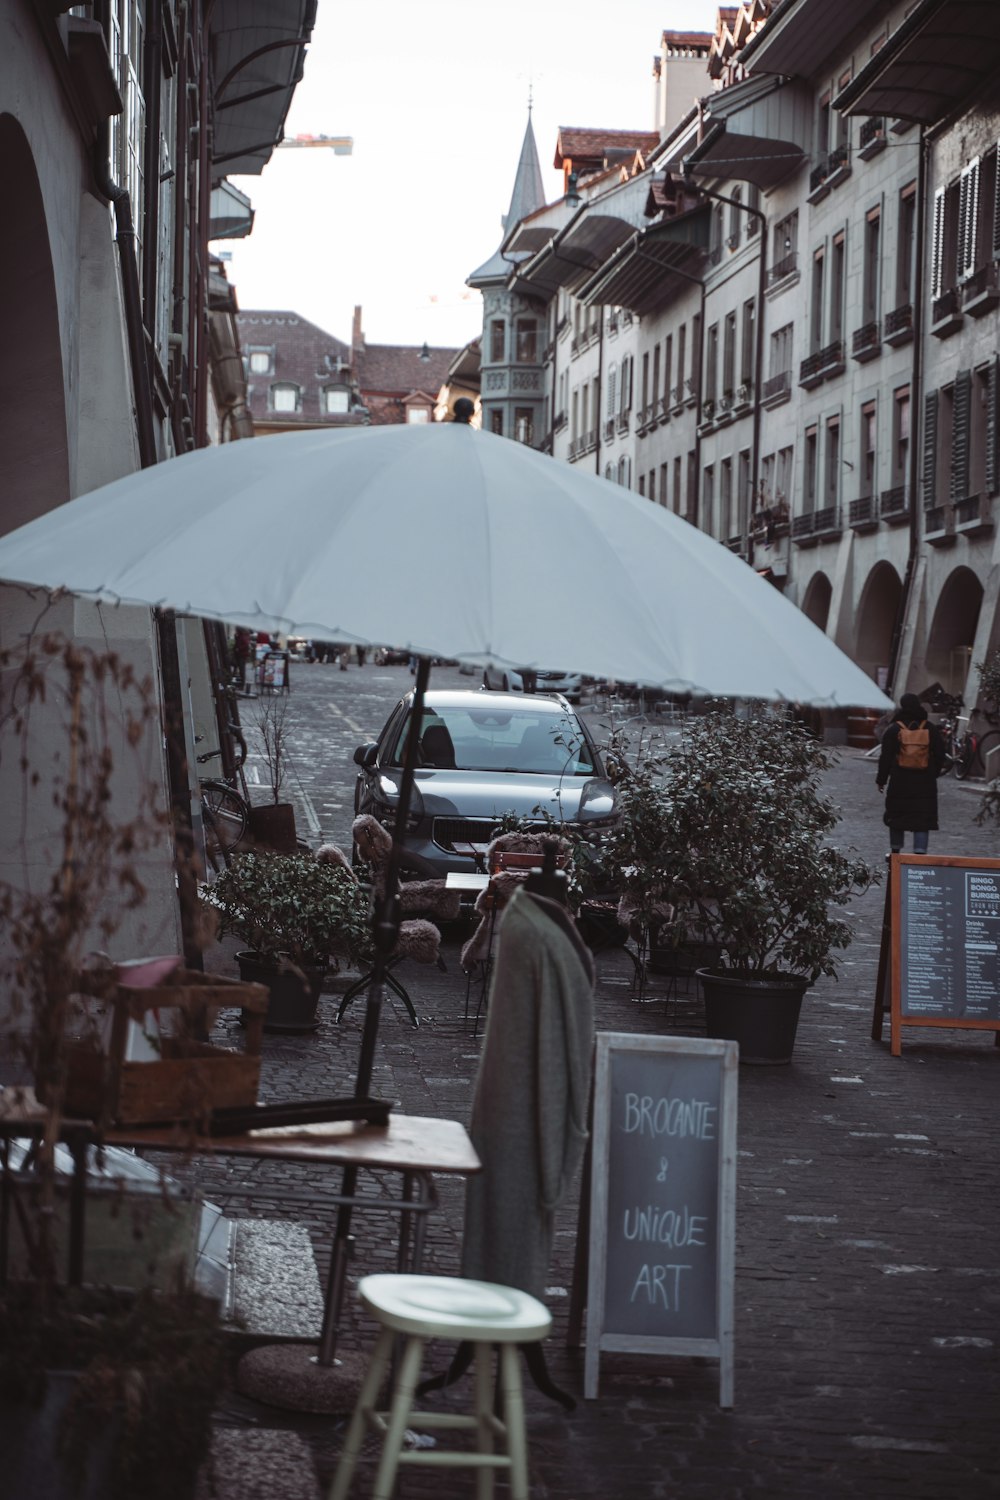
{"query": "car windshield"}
pixel 500 739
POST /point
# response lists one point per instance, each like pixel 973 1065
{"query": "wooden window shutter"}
pixel 992 455
pixel 937 244
pixel 959 487
pixel 996 209
pixel 930 448
pixel 968 213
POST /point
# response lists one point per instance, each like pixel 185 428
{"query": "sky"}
pixel 435 96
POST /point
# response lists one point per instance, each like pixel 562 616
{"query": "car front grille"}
pixel 451 831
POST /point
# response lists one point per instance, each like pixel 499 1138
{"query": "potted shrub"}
pixel 747 863
pixel 299 918
pixel 272 823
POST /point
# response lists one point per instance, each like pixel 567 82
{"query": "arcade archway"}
pixel 876 619
pixel 34 455
pixel 953 631
pixel 816 603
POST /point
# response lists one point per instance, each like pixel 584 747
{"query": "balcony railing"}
pixel 872 137
pixel 823 364
pixel 946 315
pixel 893 504
pixel 743 396
pixel 899 325
pixel 663 408
pixel 980 293
pixel 817 179
pixel 609 429
pixel 802 526
pixel 839 163
pixel 973 515
pixel 560 421
pixel 782 269
pixel 623 421
pixel 677 396
pixel 866 343
pixel 777 388
pixel 939 524
pixel 862 513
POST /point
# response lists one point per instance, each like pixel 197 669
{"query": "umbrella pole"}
pixel 385 930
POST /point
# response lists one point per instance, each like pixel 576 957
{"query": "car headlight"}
pixel 387 802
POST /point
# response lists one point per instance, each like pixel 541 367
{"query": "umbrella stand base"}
pixel 289 1376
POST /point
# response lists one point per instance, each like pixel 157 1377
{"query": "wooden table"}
pixel 412 1145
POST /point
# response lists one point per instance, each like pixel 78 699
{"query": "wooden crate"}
pixel 190 1077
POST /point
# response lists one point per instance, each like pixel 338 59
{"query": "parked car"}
pixel 507 680
pixel 482 755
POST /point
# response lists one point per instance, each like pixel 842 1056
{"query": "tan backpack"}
pixel 914 748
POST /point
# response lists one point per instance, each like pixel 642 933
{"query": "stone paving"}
pixel 868 1216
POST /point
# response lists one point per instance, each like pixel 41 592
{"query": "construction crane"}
pixel 340 145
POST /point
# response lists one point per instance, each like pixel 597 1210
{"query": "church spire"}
pixel 527 196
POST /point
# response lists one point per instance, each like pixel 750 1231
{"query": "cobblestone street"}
pixel 868 1218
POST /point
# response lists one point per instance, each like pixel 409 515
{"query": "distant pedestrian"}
pixel 241 654
pixel 913 755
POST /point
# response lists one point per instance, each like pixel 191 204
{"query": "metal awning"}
pixel 941 53
pixel 647 271
pixel 575 253
pixel 799 37
pixel 258 51
pixel 230 213
pixel 755 130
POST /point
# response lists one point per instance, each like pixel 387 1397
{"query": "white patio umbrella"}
pixel 449 542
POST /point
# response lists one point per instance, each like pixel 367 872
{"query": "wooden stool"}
pixel 425 1307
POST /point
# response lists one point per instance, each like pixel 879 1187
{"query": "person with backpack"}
pixel 913 755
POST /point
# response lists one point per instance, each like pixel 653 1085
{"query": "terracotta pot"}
pixel 762 1014
pixel 272 826
pixel 293 1003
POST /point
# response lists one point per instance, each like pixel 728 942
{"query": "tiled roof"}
pixel 399 368
pixel 583 145
pixel 693 38
pixel 302 354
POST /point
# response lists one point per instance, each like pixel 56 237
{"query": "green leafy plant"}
pixel 989 680
pixel 728 826
pixel 292 909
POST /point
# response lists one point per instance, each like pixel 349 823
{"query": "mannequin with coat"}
pixel 911 798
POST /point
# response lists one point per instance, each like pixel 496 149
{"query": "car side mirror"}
pixel 365 755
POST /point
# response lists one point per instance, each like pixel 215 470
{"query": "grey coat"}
pixel 529 1112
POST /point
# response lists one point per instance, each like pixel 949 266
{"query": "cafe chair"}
pixel 416 939
pixel 481 1313
pixel 431 898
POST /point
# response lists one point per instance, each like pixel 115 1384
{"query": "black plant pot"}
pixel 762 1014
pixel 294 1002
pixel 684 959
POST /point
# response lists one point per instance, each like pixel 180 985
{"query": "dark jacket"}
pixel 911 801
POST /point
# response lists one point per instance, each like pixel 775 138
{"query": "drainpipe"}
pixel 125 238
pixel 600 395
pixel 916 410
pixel 761 218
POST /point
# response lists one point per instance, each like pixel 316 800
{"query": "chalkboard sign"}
pixel 945 925
pixel 662 1218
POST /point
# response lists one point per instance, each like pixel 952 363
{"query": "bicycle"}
pixel 962 746
pixel 225 803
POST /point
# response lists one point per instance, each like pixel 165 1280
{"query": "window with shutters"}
pixel 993 427
pixel 651 487
pixel 781 350
pixel 668 367
pixel 708 498
pixel 725 500
pixel 783 477
pixel 978 421
pixel 748 346
pixel 986 226
pixel 823 124
pixel 961 422
pixel 678 497
pixel 692 481
pixel 681 372
pixel 645 383
pixel 809 476
pixel 612 391
pixel 873 231
pixel 735 218
pixel 906 240
pixel 664 482
pixel 626 385
pixel 945 240
pixel 729 355
pixel 867 480
pixel 929 472
pixel 753 202
pixel 996 207
pixel 831 484
pixel 968 220
pixel 625 471
pixel 694 378
pixel 654 394
pixel 711 363
pixel 945 471
pixel 837 269
pixel 743 492
pixel 816 319
pixel 901 436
